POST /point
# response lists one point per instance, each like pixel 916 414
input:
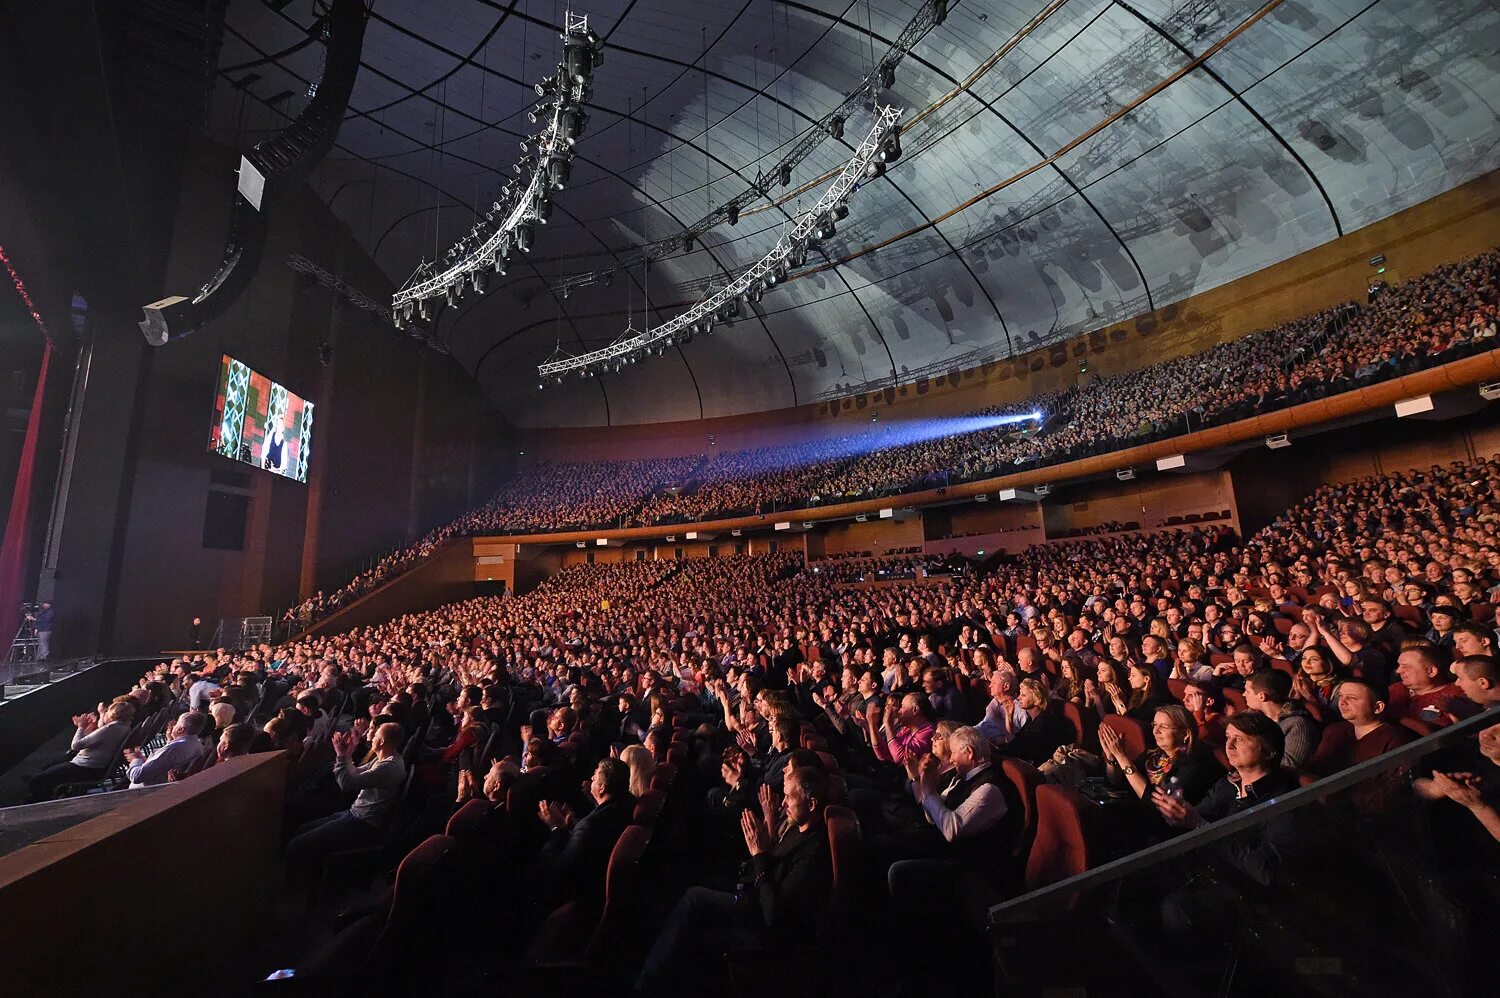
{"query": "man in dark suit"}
pixel 784 905
pixel 576 854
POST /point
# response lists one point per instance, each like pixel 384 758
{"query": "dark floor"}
pixel 13 780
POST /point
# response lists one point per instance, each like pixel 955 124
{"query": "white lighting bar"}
pixel 491 253
pixel 708 308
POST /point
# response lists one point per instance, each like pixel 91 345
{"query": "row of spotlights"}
pixel 826 228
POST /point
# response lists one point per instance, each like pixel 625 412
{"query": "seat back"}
pixel 662 778
pixel 1026 779
pixel 649 806
pixel 622 890
pixel 468 819
pixel 1133 734
pixel 1062 846
pixel 1085 723
pixel 417 890
pixel 844 846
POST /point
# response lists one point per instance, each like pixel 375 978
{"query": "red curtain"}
pixel 13 551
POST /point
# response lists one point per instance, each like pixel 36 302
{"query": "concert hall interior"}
pixel 804 497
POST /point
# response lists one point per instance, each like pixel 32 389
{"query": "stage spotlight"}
pixel 480 280
pixel 890 149
pixel 836 127
pixel 734 214
pixel 784 175
pixel 543 211
pixel 887 77
pixel 558 172
pixel 525 237
pixel 840 211
pixel 875 170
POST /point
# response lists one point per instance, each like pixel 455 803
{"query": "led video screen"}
pixel 260 423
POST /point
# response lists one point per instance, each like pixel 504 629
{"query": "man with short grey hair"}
pixel 1004 716
pixel 970 817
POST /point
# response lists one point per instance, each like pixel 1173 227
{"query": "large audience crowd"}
pixel 737 722
pixel 1429 320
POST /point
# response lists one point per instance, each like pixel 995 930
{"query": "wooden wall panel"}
pixel 99 899
pixel 875 536
pixel 1148 503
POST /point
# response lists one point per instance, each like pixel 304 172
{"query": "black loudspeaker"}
pixel 162 314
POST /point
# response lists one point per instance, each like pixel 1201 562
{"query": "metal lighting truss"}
pixel 881 145
pixel 928 16
pixel 547 156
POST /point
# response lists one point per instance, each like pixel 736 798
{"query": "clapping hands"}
pixel 770 805
pixel 343 743
pixel 757 835
pixel 554 815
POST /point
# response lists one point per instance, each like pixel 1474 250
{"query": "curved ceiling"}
pixel 1116 156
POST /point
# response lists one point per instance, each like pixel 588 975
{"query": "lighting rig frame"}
pixel 882 145
pixel 547 158
pixel 931 14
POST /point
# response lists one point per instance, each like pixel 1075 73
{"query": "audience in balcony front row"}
pixel 763 692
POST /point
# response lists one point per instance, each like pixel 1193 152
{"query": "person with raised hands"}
pixel 96 740
pixel 378 784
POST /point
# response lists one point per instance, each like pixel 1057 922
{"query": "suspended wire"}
pixel 755 101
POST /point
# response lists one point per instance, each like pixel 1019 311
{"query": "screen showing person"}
pixel 260 422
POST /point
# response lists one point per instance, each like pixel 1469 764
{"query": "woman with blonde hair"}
pixel 642 767
pixel 1177 762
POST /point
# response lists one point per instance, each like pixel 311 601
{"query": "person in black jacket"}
pixel 1046 729
pixel 576 855
pixel 1262 858
pixel 785 901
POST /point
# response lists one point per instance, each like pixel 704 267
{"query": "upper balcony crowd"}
pixel 1440 316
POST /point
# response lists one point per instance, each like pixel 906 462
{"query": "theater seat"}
pixel 1085 724
pixel 1062 847
pixel 376 942
pixel 1409 614
pixel 662 779
pixel 571 937
pixel 1234 698
pixel 470 818
pixel 843 843
pixel 648 807
pixel 1134 734
pixel 1026 779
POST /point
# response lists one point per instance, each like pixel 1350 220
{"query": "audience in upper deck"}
pixel 1431 319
